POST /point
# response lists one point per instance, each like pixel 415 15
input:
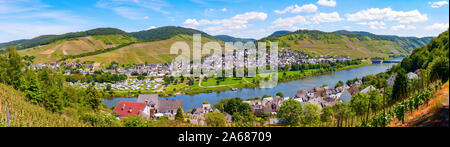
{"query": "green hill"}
pixel 164 33
pixel 142 52
pixel 355 44
pixel 74 46
pixel 434 57
pixel 48 39
pixel 278 33
pixel 146 46
pixel 108 44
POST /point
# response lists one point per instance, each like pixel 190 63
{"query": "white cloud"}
pixel 297 9
pixel 293 22
pixel 325 17
pixel 376 25
pixel 224 10
pixel 290 22
pixel 238 22
pixel 151 27
pixel 388 14
pixel 437 26
pixel 329 3
pixel 403 27
pixel 438 4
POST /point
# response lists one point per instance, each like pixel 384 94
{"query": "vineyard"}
pixel 390 113
pixel 24 114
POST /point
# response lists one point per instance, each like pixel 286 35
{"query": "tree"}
pixel 326 114
pixel 339 84
pixel 280 94
pixel 440 69
pixel 311 114
pixel 359 103
pixel 15 66
pixel 341 111
pixel 400 86
pixel 266 96
pixel 93 98
pixel 215 119
pixel 291 112
pixel 179 116
pixel 205 102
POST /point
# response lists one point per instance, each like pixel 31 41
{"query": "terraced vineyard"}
pixel 354 44
pixel 74 46
pixel 24 114
pixel 138 53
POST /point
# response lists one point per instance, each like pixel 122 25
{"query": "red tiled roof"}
pixel 123 108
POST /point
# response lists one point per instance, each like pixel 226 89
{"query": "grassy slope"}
pixel 151 52
pixel 25 114
pixel 52 52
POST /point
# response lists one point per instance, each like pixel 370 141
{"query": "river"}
pixel 289 89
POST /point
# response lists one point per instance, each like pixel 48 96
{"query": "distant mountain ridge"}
pixel 226 38
pixel 156 42
pixel 47 39
pixel 163 33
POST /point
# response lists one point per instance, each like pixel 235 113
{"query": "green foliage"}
pixel 311 114
pixel 400 86
pixel 339 84
pixel 359 103
pixel 266 96
pixel 291 112
pixel 179 116
pixel 215 119
pixel 327 113
pixel 135 121
pixel 280 94
pixel 100 119
pixel 434 56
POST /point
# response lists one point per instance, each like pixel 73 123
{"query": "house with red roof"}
pixel 125 109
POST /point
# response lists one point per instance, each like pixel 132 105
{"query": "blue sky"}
pixel 24 19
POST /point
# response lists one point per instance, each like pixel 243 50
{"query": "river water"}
pixel 289 89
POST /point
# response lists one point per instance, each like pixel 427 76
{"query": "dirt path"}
pixel 433 114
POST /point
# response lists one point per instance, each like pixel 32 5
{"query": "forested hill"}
pixel 356 44
pixel 167 32
pixel 279 33
pixel 433 57
pixel 226 38
pixel 47 39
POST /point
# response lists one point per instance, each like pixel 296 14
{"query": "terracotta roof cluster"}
pixel 125 108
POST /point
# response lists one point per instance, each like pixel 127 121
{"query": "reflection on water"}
pixel 289 89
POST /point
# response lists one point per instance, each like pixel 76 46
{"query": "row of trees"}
pixel 98 76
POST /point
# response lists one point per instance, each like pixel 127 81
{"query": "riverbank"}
pixel 210 85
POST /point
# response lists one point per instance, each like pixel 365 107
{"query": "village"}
pixel 151 107
pixel 158 70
